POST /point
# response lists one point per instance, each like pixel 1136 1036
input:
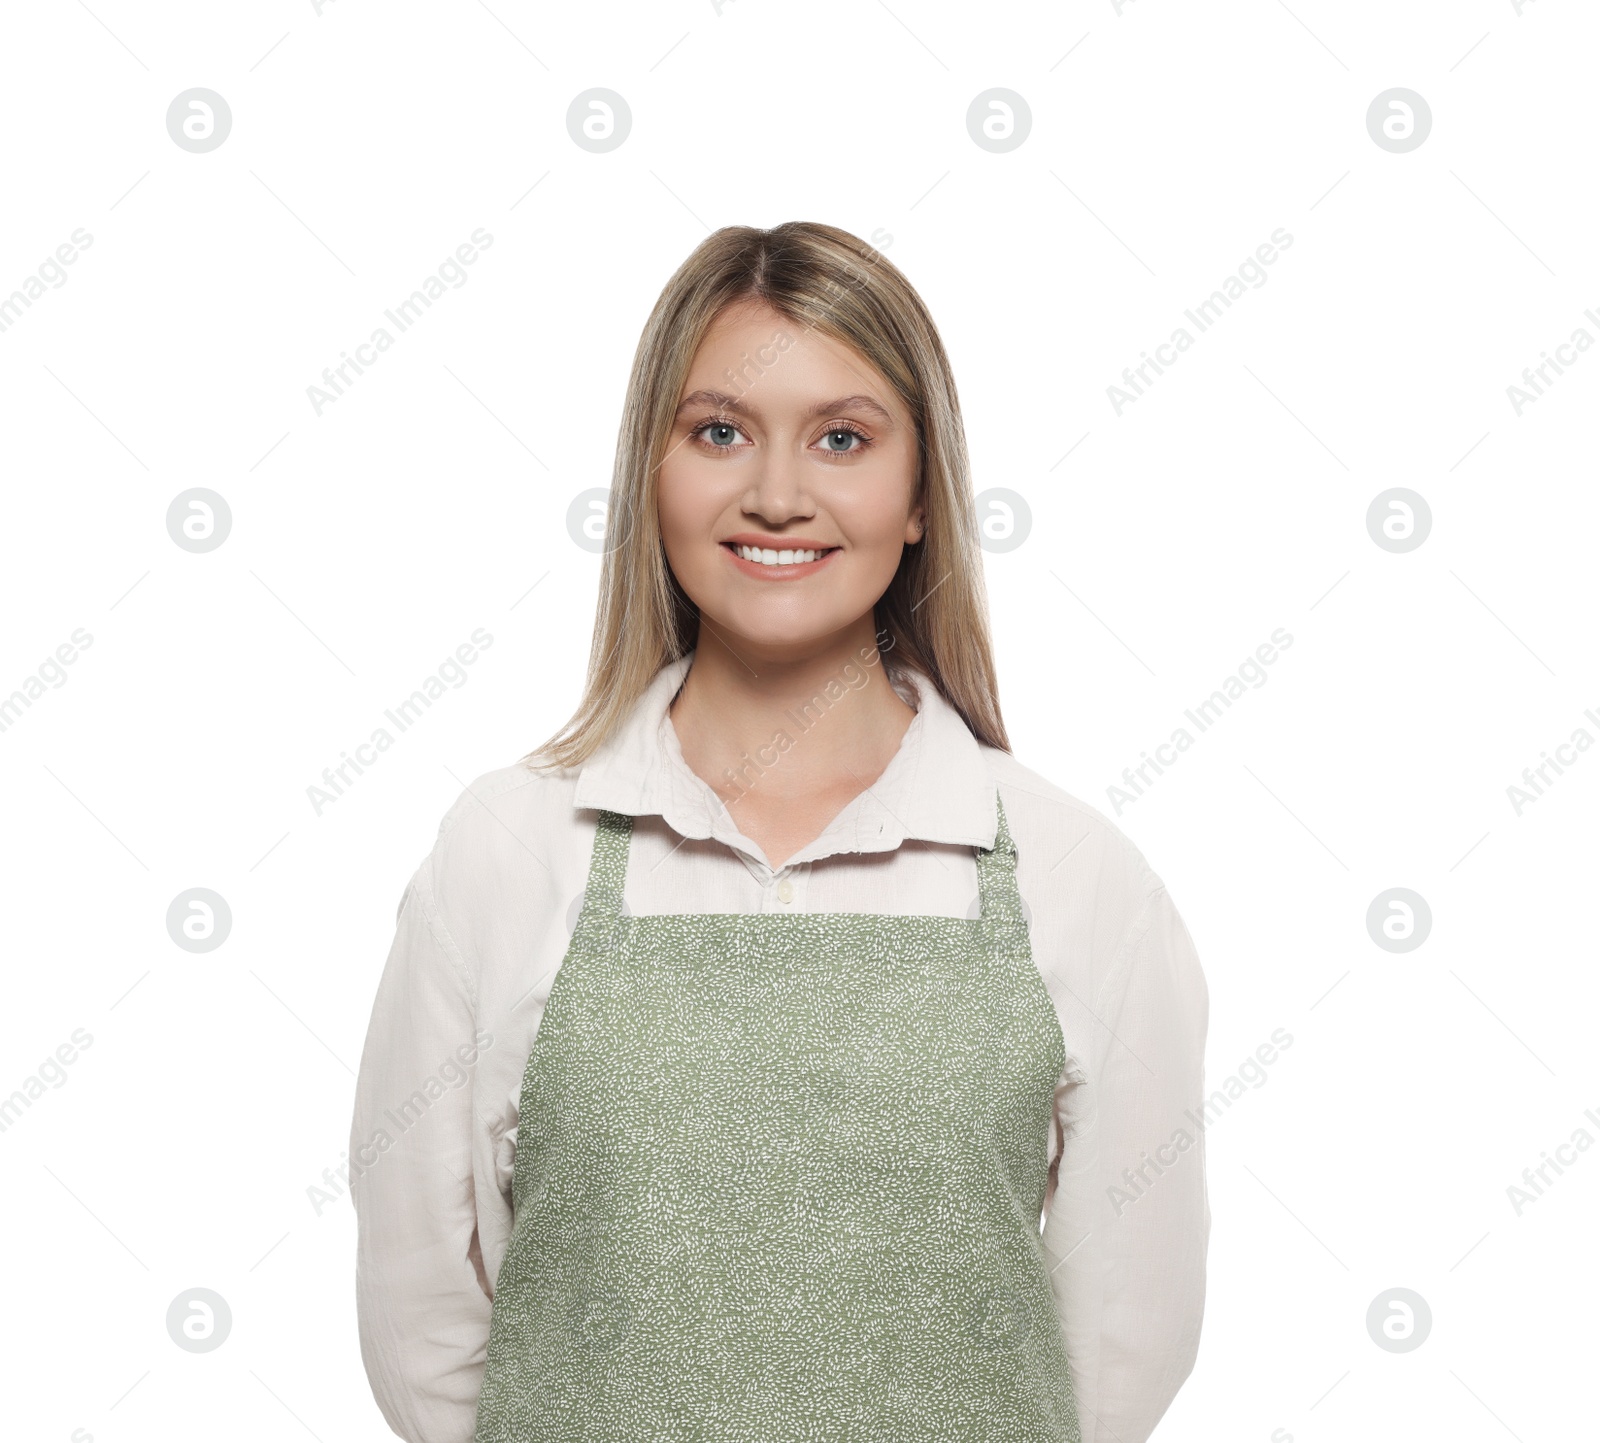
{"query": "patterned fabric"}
pixel 723 1231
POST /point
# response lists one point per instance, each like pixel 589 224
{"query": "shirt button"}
pixel 786 891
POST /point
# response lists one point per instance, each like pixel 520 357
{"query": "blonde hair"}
pixel 935 611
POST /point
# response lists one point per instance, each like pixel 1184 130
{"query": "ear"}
pixel 915 526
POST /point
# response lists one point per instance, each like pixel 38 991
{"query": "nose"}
pixel 778 490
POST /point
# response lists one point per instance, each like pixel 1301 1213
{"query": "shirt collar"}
pixel 938 787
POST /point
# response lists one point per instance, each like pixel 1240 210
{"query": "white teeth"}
pixel 765 556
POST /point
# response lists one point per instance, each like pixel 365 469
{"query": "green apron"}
pixel 778 1179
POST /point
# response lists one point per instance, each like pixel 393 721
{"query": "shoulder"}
pixel 1064 843
pixel 510 817
pixel 508 838
pixel 515 793
pixel 1103 921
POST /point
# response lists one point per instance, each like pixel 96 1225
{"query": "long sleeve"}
pixel 423 1303
pixel 1128 1226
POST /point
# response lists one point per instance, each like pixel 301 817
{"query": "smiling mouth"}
pixel 769 556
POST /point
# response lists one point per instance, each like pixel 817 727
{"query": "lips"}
pixel 776 544
pixel 776 569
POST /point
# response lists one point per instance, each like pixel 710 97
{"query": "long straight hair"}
pixel 934 612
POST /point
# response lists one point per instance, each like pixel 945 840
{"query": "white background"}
pixel 367 543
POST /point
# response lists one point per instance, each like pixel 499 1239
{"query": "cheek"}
pixel 689 503
pixel 681 501
pixel 872 508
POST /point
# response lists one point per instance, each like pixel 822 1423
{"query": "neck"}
pixel 782 726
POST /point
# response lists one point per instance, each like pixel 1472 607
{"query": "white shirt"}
pixel 484 925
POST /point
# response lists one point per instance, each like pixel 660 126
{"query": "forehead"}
pixel 768 358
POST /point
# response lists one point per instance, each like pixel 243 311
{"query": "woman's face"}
pixel 785 441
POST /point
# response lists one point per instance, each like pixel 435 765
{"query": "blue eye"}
pixel 719 434
pixel 722 435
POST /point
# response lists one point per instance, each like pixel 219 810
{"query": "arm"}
pixel 422 1302
pixel 1128 1225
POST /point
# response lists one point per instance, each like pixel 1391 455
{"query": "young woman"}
pixel 771 1055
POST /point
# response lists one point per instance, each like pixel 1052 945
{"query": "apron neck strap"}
pixel 608 867
pixel 998 898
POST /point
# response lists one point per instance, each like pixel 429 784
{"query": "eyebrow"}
pixel 822 408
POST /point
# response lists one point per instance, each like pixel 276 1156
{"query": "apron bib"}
pixel 778 1179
